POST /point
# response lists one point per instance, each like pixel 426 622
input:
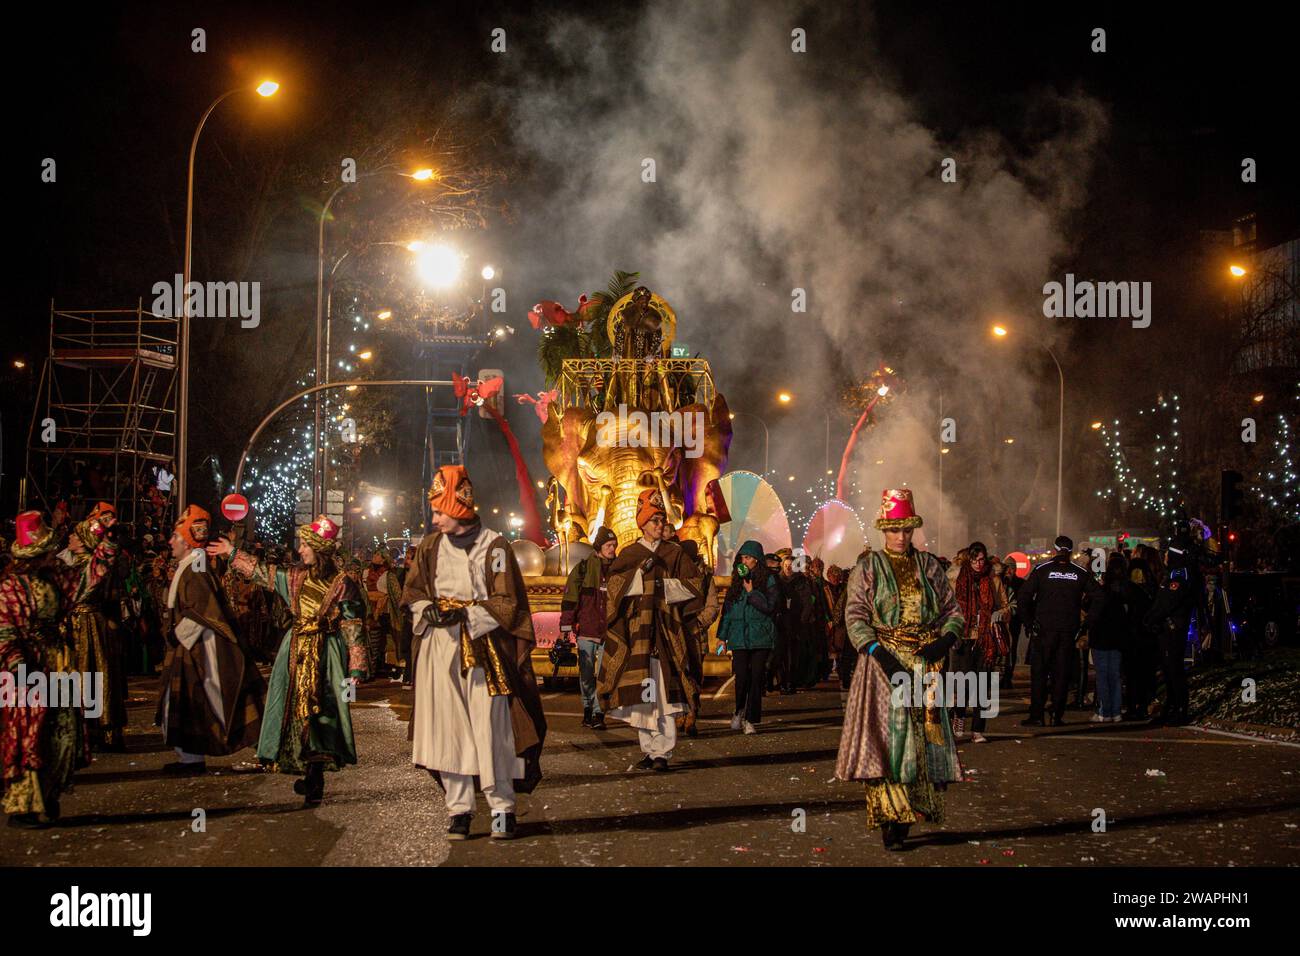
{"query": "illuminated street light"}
pixel 19 363
pixel 365 356
pixel 1258 399
pixel 489 273
pixel 1237 271
pixel 267 88
pixel 386 314
pixel 784 397
pixel 1000 331
pixel 423 175
pixel 438 266
pixel 882 391
pixel 1096 425
pixel 1009 441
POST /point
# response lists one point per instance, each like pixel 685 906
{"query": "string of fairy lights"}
pixel 1276 482
pixel 1161 496
pixel 273 477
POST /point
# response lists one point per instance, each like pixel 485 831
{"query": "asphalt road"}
pixel 1169 796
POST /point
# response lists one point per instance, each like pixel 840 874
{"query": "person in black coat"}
pixel 1170 616
pixel 1052 602
pixel 1141 656
pixel 1108 639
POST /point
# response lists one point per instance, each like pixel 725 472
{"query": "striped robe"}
pixel 652 620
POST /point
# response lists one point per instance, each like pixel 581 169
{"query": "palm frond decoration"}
pixel 591 338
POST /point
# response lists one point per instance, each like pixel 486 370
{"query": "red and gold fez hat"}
pixel 452 493
pixel 897 512
pixel 194 526
pixel 32 536
pixel 649 503
pixel 322 535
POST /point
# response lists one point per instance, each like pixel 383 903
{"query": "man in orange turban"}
pixel 452 494
pixel 653 589
pixel 194 526
pixel 477 718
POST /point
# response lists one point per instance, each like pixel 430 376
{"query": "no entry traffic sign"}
pixel 234 507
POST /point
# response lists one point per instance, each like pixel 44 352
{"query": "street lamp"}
pixel 1001 332
pixel 265 89
pixel 318 458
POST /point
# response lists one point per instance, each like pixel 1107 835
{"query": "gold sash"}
pixel 478 651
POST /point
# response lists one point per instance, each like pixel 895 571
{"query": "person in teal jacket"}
pixel 748 628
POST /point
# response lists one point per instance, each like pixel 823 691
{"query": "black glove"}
pixel 938 649
pixel 888 661
pixel 448 618
pixel 648 563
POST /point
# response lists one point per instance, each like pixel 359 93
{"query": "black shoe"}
pixel 660 765
pixel 645 763
pixel 893 834
pixel 459 828
pixel 313 786
pixel 503 826
pixel 598 722
pixel 1032 722
pixel 178 769
pixel 586 716
pixel 1055 721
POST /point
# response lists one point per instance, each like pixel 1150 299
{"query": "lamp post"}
pixel 1001 332
pixel 421 175
pixel 265 89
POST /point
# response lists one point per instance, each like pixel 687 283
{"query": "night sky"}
pixel 117 93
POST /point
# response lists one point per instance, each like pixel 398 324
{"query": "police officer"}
pixel 1170 616
pixel 1051 602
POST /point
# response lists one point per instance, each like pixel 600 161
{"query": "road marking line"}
pixel 1253 740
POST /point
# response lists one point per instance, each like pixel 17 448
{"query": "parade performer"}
pixel 98 647
pixel 377 621
pixel 477 720
pixel 984 645
pixel 42 743
pixel 210 698
pixel 399 622
pixel 647 672
pixel 583 612
pixel 901 613
pixel 307 723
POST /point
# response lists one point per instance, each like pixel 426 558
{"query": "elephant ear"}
pixel 566 434
pixel 694 474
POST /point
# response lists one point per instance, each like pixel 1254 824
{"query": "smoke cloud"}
pixel 776 171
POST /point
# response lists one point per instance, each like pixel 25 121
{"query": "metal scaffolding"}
pixel 105 410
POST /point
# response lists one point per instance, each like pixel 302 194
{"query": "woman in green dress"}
pixel 307 724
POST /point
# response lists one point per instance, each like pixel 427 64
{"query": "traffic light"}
pixel 1231 498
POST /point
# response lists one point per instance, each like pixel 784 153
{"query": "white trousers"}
pixel 655 721
pixel 661 741
pixel 460 793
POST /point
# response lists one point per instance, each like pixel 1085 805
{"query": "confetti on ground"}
pixel 741 849
pixel 1155 773
pixel 1008 852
